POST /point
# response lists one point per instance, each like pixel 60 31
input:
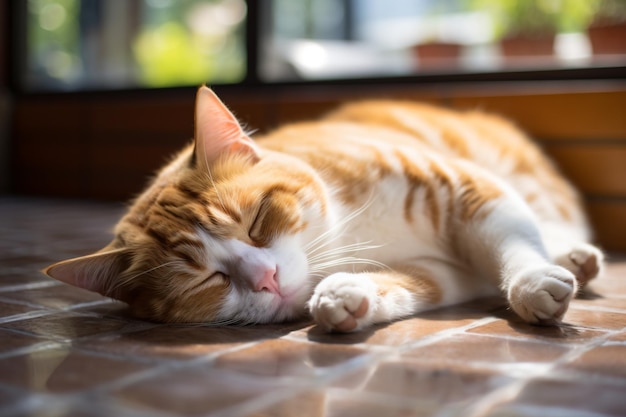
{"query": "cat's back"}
pixel 367 139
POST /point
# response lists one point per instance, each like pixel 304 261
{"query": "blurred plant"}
pixel 512 17
pixel 53 40
pixel 575 15
pixel 611 11
pixel 539 17
pixel 167 55
pixel 192 41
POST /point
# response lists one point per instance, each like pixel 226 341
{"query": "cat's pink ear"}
pixel 98 272
pixel 217 130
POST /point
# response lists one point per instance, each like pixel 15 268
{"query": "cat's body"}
pixel 378 211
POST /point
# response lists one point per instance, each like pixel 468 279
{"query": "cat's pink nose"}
pixel 268 282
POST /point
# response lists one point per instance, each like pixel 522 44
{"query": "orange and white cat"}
pixel 379 211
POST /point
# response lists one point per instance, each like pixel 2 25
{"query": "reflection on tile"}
pixel 564 398
pixel 59 370
pixel 431 381
pixel 11 309
pixel 66 325
pixel 68 352
pixel 485 349
pixel 518 329
pixel 197 390
pixel 399 333
pixel 57 296
pixel 180 342
pixel 608 359
pixel 595 318
pixel 280 358
pixel 10 340
pixel 344 403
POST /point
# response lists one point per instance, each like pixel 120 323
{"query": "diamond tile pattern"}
pixel 68 352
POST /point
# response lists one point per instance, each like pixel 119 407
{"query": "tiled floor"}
pixel 67 352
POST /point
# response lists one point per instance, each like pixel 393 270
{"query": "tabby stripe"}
pixel 190 260
pixel 161 239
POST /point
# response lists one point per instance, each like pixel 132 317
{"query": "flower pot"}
pixel 522 49
pixel 607 38
pixel 438 55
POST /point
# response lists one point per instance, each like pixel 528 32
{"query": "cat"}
pixel 376 212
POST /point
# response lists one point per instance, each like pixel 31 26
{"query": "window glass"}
pixel 317 39
pixel 77 44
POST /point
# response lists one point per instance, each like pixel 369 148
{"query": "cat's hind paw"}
pixel 585 261
pixel 542 295
pixel 343 302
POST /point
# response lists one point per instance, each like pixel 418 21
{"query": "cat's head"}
pixel 219 236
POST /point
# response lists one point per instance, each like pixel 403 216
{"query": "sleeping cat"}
pixel 378 211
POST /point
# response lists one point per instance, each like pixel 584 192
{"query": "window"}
pixel 321 39
pixel 117 44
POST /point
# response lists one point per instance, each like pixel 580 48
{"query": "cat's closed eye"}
pixel 215 278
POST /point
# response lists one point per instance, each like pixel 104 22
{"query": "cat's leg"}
pixel 352 301
pixel 505 242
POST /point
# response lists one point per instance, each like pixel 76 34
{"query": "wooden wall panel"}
pixel 596 170
pixel 608 219
pixel 563 115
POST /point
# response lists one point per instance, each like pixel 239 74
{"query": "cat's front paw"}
pixel 343 302
pixel 542 295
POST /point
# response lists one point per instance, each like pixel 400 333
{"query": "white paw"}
pixel 584 261
pixel 343 302
pixel 542 295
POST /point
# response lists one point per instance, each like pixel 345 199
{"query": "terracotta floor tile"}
pixel 343 403
pixel 596 319
pixel 608 359
pixel 430 382
pixel 10 309
pixel 10 340
pixel 619 337
pixel 286 358
pixel 468 348
pixel 18 275
pixel 546 397
pixel 595 300
pixel 408 330
pixel 64 351
pixel 518 329
pixel 62 370
pixel 180 342
pixel 56 296
pixel 198 390
pixel 66 325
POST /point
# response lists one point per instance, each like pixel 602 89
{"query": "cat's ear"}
pixel 98 272
pixel 217 130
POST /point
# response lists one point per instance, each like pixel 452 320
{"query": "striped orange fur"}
pixel 380 210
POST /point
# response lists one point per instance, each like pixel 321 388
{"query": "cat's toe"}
pixel 585 261
pixel 542 296
pixel 341 304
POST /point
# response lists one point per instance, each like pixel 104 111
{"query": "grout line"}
pixel 26 316
pixel 38 347
pixel 29 286
pixel 368 360
pixel 508 392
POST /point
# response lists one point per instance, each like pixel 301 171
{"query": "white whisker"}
pixel 123 281
pixel 334 232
